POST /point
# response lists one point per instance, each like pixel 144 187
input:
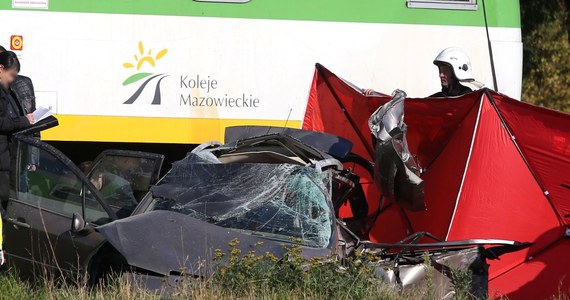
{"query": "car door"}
pixel 123 177
pixel 46 190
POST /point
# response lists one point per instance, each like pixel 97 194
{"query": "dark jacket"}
pixel 8 125
pixel 462 91
pixel 24 90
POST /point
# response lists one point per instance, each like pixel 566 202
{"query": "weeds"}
pixel 315 278
pixel 461 279
pixel 253 275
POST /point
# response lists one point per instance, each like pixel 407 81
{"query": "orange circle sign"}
pixel 16 42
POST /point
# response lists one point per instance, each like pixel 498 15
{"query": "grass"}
pixel 13 288
pixel 251 276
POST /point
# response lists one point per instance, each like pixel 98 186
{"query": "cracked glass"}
pixel 277 201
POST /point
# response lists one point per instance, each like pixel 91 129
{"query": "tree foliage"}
pixel 546 58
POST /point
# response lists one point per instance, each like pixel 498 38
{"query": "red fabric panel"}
pixel 500 198
pixel 313 119
pixel 544 137
pixel 538 278
pixel 391 226
pixel 432 123
pixel 334 107
pixel 443 179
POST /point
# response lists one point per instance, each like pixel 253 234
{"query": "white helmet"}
pixel 459 62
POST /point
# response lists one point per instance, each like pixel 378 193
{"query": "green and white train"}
pixel 180 71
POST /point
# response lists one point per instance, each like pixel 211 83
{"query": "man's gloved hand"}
pixel 2 259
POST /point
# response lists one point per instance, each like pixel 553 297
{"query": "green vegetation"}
pixel 253 276
pixel 243 275
pixel 13 288
pixel 546 58
pixel 247 276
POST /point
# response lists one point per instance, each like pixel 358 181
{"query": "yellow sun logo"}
pixel 141 58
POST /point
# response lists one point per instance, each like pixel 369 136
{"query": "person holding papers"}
pixel 10 122
pixel 22 90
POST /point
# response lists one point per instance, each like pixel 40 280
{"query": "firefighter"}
pixel 454 67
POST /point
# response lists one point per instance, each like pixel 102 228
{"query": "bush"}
pixel 546 58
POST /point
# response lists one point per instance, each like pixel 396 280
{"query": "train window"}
pixel 443 4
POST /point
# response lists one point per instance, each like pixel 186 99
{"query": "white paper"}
pixel 41 113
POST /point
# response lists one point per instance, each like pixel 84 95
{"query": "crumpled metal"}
pixel 396 172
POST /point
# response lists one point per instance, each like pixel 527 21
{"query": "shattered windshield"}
pixel 281 201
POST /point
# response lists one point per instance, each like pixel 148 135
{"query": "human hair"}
pixel 9 60
pixel 2 49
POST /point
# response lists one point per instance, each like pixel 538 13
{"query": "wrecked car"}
pixel 272 188
pixel 279 186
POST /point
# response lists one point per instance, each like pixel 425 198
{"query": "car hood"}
pixel 165 242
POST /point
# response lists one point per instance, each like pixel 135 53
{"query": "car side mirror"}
pixel 77 223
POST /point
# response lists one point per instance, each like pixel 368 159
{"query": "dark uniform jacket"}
pixel 463 90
